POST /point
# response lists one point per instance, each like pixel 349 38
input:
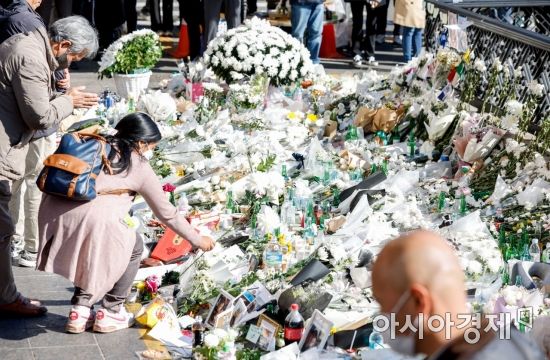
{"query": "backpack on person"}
pixel 72 170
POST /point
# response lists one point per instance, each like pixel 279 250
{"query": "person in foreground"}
pixel 419 276
pixel 28 102
pixel 92 245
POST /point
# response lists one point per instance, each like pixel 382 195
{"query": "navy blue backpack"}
pixel 72 170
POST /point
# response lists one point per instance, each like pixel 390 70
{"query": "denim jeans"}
pixel 412 42
pixel 308 19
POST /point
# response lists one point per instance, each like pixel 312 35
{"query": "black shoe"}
pixel 346 51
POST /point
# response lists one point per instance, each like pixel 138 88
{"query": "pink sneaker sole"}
pixel 110 328
pixel 78 329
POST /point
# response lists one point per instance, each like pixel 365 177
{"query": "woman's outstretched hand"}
pixel 207 243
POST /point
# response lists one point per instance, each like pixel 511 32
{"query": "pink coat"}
pixel 88 243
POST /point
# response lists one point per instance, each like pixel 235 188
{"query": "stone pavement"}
pixel 45 338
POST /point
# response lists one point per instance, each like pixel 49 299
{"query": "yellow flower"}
pixel 140 285
pixel 291 116
pixel 180 171
pixel 312 117
pixel 466 56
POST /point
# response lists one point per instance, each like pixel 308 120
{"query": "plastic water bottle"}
pixel 273 255
pixel 534 250
pixel 546 254
pixel 376 340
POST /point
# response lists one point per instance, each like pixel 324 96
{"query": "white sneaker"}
pixel 107 321
pixel 380 39
pixel 27 259
pixel 357 61
pixel 81 318
pixel 371 59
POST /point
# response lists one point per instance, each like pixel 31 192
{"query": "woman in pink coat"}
pixel 91 244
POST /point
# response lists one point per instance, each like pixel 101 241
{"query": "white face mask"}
pixel 148 154
pixel 402 344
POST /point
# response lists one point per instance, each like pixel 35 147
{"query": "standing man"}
pixel 163 23
pixel 192 12
pixel 130 12
pixel 28 102
pixel 410 14
pixel 212 9
pixel 63 8
pixel 19 17
pixel 306 17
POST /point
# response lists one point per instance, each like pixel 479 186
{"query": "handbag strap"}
pixel 117 192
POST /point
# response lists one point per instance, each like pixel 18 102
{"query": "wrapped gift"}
pixel 383 119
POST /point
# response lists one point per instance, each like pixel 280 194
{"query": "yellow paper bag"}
pixel 152 313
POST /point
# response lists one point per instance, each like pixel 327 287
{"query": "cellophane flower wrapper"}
pixel 475 149
pixel 502 190
pixel 533 194
pixel 438 126
pixel 401 183
pixel 510 298
pixel 161 106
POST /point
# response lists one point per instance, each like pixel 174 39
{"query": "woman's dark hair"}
pixel 131 129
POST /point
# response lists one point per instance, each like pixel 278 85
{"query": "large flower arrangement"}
pixel 140 50
pixel 258 48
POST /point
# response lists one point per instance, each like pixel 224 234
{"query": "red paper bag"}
pixel 171 246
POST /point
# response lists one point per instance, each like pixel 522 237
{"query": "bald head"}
pixel 422 269
pixel 419 258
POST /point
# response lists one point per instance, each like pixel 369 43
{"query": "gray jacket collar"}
pixel 52 62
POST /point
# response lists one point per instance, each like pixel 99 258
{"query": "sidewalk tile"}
pixel 15 338
pixel 57 336
pixel 90 352
pixel 120 344
pixel 16 354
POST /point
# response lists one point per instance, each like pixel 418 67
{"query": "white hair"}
pixel 79 32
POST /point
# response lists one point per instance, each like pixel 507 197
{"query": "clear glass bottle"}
pixel 546 254
pixel 525 255
pixel 534 250
pixel 288 211
pixel 230 204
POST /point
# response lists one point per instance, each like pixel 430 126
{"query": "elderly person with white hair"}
pixel 29 103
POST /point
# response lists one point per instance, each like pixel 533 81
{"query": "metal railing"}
pixel 492 38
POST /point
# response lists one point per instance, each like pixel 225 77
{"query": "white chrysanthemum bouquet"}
pixel 257 48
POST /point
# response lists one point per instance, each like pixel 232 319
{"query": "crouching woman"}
pixel 91 244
